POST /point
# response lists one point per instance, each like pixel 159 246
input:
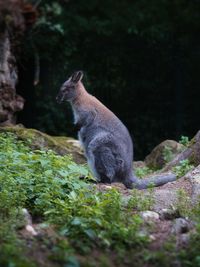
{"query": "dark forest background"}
pixel 140 58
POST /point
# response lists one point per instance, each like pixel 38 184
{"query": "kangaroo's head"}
pixel 69 89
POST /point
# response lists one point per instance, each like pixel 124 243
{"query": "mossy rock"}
pixel 139 164
pixel 39 140
pixel 163 153
pixel 194 145
pixel 191 153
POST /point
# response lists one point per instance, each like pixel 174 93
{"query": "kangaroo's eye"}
pixel 66 89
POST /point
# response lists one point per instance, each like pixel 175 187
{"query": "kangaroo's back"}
pixel 102 116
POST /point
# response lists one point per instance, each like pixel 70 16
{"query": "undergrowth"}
pixel 143 171
pixel 184 140
pixel 49 186
pixel 183 167
pixel 86 224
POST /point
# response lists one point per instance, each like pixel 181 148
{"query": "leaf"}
pixel 63 173
pixel 48 172
pixel 76 221
pixel 73 168
pixel 64 231
pixel 72 262
pixel 90 233
pixel 43 162
pixel 49 211
pixel 72 195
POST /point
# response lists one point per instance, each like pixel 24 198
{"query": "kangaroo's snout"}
pixel 59 98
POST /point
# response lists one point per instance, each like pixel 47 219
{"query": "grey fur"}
pixel 106 141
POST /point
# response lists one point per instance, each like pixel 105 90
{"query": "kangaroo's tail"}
pixel 153 181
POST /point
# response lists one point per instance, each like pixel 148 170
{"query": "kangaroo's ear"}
pixel 77 76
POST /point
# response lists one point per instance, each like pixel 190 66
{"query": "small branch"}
pixel 37 67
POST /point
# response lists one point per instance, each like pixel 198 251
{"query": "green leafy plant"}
pixel 142 172
pixel 48 185
pixel 183 167
pixel 167 154
pixel 184 140
pixel 141 201
pixel 82 218
pixel 183 203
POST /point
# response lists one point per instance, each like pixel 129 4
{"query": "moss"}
pixel 39 140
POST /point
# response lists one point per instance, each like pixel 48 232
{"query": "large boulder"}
pixel 38 140
pixel 163 153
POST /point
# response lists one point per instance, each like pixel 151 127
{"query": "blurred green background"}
pixel 140 58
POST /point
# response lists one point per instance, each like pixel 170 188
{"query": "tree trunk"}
pixel 12 27
pixel 10 102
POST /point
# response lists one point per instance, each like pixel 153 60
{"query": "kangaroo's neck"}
pixel 81 98
pixel 85 105
pixel 81 104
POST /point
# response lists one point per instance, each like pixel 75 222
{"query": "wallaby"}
pixel 106 141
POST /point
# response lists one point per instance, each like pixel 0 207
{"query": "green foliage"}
pixel 184 140
pixel 48 185
pixel 142 172
pixel 48 20
pixel 11 248
pixel 84 220
pixel 188 255
pixel 141 202
pixel 99 219
pixel 167 154
pixel 184 204
pixel 183 167
pixel 185 256
pixel 191 257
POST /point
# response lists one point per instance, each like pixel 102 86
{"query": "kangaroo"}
pixel 105 139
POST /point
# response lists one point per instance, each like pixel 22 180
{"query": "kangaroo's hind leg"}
pixel 105 164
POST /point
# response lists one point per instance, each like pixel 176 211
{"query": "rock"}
pixel 29 228
pixel 192 153
pixel 139 164
pixel 26 222
pixel 164 198
pixel 194 178
pixel 152 238
pixel 149 215
pixel 184 239
pixel 143 233
pixel 169 214
pixel 27 217
pixel 181 226
pixel 157 158
pixel 38 140
pixel 167 196
pixel 24 218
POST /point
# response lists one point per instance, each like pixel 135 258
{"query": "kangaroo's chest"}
pixel 85 136
pixel 81 139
